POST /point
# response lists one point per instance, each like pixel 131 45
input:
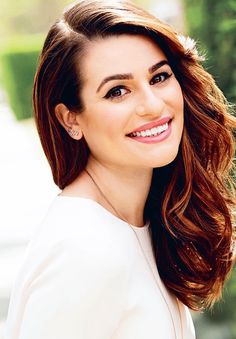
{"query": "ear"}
pixel 68 120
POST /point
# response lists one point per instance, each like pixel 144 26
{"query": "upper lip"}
pixel 151 125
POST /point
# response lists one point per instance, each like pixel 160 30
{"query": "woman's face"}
pixel 133 103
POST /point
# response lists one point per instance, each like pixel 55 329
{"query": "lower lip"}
pixel 157 138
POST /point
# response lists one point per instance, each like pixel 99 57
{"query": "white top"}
pixel 85 276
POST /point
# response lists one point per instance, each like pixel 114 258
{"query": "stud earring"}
pixel 73 133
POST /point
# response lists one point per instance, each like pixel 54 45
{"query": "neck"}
pixel 123 191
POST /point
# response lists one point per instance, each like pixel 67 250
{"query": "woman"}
pixel 139 139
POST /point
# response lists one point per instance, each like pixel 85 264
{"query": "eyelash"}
pixel 109 94
pixel 165 74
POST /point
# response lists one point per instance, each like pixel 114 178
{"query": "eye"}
pixel 160 77
pixel 116 92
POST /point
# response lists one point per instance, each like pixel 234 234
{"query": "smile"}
pixel 150 132
pixel 153 135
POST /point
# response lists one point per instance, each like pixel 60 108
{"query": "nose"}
pixel 151 103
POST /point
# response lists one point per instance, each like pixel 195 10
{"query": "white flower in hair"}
pixel 187 42
pixel 189 45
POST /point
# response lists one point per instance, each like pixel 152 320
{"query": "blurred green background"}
pixel 212 23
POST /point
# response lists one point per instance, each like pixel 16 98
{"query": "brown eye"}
pixel 116 92
pixel 160 77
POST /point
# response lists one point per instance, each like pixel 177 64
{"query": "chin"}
pixel 167 159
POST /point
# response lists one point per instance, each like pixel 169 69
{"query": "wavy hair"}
pixel 191 201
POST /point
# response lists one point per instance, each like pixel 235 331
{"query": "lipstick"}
pixel 153 132
pixel 151 125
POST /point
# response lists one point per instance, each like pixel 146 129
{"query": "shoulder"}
pixel 81 221
pixel 76 272
pixel 77 234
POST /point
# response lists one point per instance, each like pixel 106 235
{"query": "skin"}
pixel 122 166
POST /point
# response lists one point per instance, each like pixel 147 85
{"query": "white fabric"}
pixel 85 277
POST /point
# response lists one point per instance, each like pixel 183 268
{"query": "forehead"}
pixel 120 54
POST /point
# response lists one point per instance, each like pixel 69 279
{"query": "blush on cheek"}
pixel 111 122
pixel 178 95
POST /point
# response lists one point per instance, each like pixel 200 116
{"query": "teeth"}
pixel 151 132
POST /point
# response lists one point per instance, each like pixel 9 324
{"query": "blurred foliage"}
pixel 33 16
pixel 23 26
pixel 23 17
pixel 19 59
pixel 224 311
pixel 213 24
pixel 220 322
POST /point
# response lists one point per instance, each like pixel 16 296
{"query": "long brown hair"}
pixel 190 203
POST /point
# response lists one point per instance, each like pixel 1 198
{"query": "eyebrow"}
pixel 129 76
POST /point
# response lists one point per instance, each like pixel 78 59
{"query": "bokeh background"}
pixel 26 186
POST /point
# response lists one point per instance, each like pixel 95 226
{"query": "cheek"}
pixel 103 125
pixel 176 97
pixel 113 119
pixel 173 96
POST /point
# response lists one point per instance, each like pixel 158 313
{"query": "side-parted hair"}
pixel 191 201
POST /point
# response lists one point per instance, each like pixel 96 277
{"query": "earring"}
pixel 73 133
